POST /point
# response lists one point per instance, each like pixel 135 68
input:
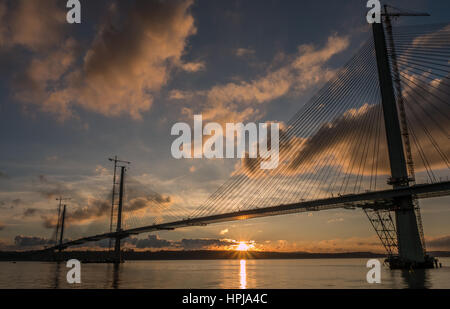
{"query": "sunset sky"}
pixel 71 96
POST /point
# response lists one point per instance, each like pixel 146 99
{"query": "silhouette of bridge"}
pixel 384 116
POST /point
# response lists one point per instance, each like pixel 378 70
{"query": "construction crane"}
pixel 400 12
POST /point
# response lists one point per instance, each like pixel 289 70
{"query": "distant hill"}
pixel 439 253
pixel 99 256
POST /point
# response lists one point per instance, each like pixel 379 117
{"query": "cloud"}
pixel 196 244
pixel 131 58
pixel 333 144
pixel 3 175
pixel 334 220
pixel 241 52
pixel 152 241
pixel 10 204
pixel 33 24
pixel 193 66
pixel 239 101
pixel 102 171
pixel 223 232
pixel 30 212
pixel 94 209
pixel 31 241
pixel 337 245
pixel 313 151
pixel 50 189
pixel 52 158
pixel 432 37
pixel 180 95
pixel 146 201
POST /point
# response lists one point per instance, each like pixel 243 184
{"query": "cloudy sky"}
pixel 71 96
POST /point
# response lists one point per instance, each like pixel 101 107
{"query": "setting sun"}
pixel 243 246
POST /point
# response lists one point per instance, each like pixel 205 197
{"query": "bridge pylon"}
pixel 117 257
pixel 117 249
pixel 411 250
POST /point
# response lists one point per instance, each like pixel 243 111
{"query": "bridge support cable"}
pixel 144 206
pixel 423 71
pixel 347 104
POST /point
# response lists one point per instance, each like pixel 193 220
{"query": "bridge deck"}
pixel 378 199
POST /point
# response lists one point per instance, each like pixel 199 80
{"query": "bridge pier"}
pixel 411 252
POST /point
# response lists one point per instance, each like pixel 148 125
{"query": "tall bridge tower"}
pixel 119 205
pixel 411 250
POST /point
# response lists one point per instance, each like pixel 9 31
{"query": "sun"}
pixel 243 246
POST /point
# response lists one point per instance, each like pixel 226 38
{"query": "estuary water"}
pixel 221 274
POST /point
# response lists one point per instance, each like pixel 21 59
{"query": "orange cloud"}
pixel 233 102
pixel 122 69
pixel 338 245
pixel 34 24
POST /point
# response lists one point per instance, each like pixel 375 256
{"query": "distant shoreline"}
pixel 100 256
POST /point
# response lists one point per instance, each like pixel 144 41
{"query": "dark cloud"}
pixel 30 212
pixel 12 204
pixel 146 201
pixel 99 208
pixel 51 189
pixel 3 175
pixel 48 222
pixel 96 208
pixel 31 241
pixel 152 241
pixel 16 202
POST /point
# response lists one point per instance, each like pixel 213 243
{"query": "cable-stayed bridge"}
pixel 375 137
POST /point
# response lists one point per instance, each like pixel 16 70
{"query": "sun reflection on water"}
pixel 243 275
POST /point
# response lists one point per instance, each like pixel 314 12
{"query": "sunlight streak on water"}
pixel 243 275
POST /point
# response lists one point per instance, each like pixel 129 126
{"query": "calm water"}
pixel 318 273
